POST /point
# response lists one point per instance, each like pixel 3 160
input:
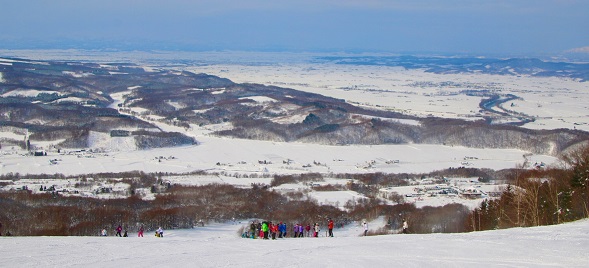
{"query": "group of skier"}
pixel 269 230
pixel 119 232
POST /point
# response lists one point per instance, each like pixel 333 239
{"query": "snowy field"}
pixel 244 156
pixel 244 162
pixel 553 102
pixel 218 245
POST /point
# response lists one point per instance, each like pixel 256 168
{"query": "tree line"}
pixel 539 196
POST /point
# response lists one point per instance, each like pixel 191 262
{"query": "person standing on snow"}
pixel 316 234
pixel 274 230
pixel 295 230
pixel 259 229
pixel 301 230
pixel 265 229
pixel 270 227
pixel 308 230
pixel 330 227
pixel 285 228
pixel 365 225
pixel 159 232
pixel 119 230
pixel 281 230
pixel 253 230
pixel 140 233
pixel 405 226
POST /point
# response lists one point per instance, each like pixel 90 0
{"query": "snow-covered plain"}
pixel 219 245
pixel 243 156
pixel 553 102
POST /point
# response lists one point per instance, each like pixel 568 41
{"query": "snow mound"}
pixel 259 99
pixel 104 140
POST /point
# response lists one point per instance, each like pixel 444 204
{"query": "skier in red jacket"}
pixel 330 227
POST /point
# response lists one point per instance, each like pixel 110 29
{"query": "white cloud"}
pixel 579 50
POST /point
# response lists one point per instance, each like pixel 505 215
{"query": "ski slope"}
pixel 218 245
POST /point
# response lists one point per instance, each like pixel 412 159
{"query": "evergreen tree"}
pixel 579 180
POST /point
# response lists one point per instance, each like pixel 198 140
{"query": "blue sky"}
pixel 438 26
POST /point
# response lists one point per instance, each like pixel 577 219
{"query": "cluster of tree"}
pixel 445 219
pixel 333 126
pixel 539 197
pixel 25 213
pixel 329 188
pixel 295 178
pixel 146 140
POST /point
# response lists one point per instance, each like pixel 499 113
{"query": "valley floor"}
pixel 244 156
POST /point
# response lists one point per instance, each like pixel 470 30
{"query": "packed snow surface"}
pixel 218 245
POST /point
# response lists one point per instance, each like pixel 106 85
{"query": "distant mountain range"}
pixel 446 65
pixel 66 102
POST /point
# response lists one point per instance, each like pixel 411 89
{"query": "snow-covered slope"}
pixel 218 245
